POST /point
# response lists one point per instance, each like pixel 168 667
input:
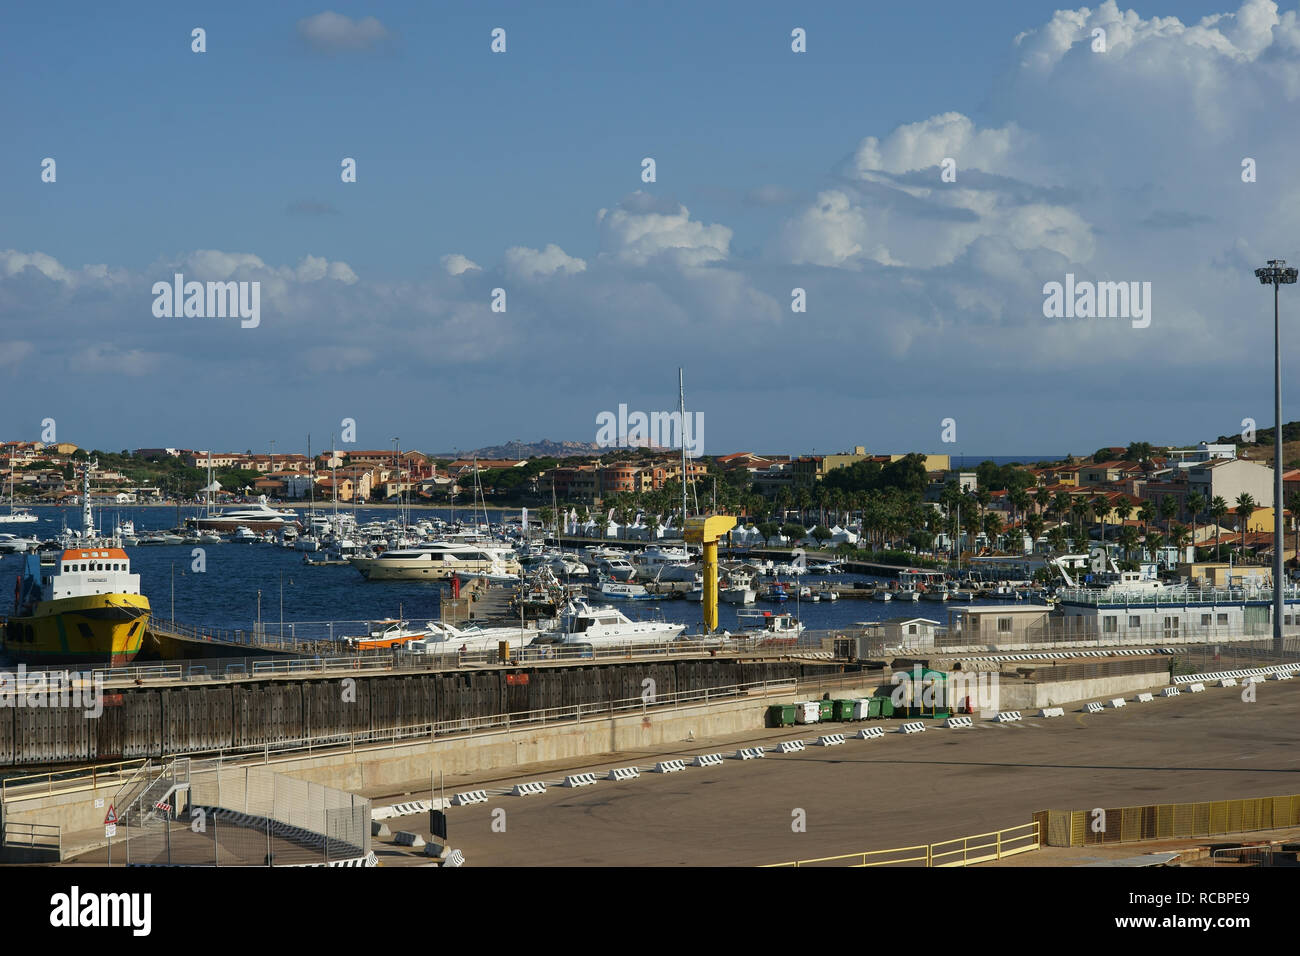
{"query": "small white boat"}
pixel 621 591
pixel 244 535
pixel 882 595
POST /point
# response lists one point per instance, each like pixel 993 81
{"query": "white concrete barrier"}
pixel 529 789
pixel 830 740
pixel 407 838
pixel 791 746
pixel 470 796
pixel 707 760
pixel 1253 679
pixel 624 773
pixel 580 780
pixel 1195 688
pixel 1169 692
pixel 669 766
pixel 1145 698
pixel 1282 675
pixel 954 722
pixel 379 829
pixel 1228 682
pixel 1093 707
pixel 454 858
pixel 914 727
pixel 1052 712
pixel 871 733
pixel 1117 702
pixel 1008 717
pixel 749 753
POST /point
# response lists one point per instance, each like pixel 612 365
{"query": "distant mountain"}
pixel 538 449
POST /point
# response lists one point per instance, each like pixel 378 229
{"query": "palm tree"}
pixel 992 528
pixel 1246 506
pixel 1100 506
pixel 1042 498
pixel 1168 508
pixel 1123 509
pixel 1195 505
pixel 1128 539
pixel 1035 525
pixel 1080 510
pixel 1155 541
pixel 1217 511
pixel 1178 538
pixel 1146 511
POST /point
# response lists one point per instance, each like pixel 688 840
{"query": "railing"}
pixel 1172 596
pixel 75 778
pixel 1243 855
pixel 1006 842
pixel 45 836
pixel 962 851
pixel 465 727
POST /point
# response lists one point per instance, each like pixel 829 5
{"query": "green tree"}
pixel 1217 511
pixel 793 531
pixel 821 534
pixel 1195 505
pixel 1246 506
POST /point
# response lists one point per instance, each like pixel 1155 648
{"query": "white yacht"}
pixel 436 561
pixel 616 568
pixel 12 544
pixel 256 517
pixel 621 591
pixel 581 623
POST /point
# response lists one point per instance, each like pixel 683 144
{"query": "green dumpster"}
pixel 873 707
pixel 825 710
pixel 780 715
pixel 886 706
pixel 843 710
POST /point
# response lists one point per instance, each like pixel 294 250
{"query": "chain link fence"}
pixel 213 815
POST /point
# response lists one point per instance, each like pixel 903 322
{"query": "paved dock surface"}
pixel 892 792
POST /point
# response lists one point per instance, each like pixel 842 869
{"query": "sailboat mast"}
pixel 681 398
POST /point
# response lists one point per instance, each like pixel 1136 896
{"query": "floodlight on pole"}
pixel 1277 274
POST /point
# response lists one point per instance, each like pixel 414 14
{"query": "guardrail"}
pixel 1006 842
pixel 75 778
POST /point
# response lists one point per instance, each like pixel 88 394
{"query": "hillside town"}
pixel 1161 504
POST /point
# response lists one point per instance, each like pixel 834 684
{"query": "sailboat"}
pixel 16 516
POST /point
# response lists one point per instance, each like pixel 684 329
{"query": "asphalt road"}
pixel 899 790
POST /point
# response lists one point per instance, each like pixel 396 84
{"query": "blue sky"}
pixel 923 303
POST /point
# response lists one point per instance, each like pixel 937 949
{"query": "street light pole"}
pixel 1276 273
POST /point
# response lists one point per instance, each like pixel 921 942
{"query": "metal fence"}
pixel 962 851
pixel 1243 856
pixel 207 813
pixel 1167 820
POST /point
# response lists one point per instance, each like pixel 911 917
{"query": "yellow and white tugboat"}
pixel 80 606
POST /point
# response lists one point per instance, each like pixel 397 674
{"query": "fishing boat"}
pixel 82 605
pixel 771 629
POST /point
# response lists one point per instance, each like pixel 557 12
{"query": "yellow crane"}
pixel 706 530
